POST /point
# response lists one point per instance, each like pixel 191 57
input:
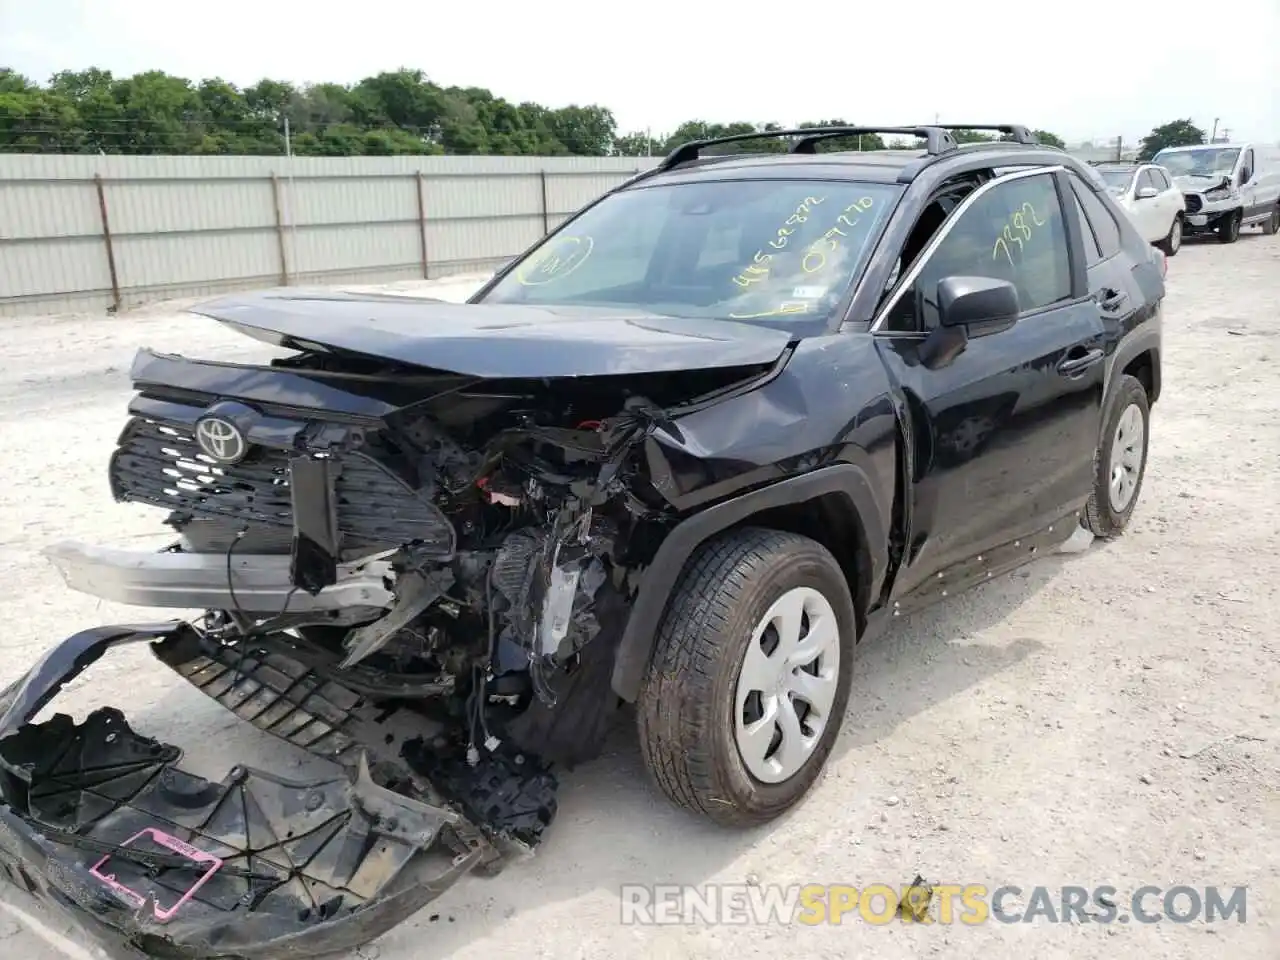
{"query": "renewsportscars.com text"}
pixel 966 904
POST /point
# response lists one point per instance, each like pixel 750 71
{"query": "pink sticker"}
pixel 180 847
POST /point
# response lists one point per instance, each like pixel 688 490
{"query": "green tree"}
pixel 1175 133
pixel 394 112
pixel 972 136
pixel 637 144
pixel 13 82
pixel 587 131
pixel 866 141
pixel 38 122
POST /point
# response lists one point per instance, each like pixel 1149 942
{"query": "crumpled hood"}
pixel 494 340
pixel 1189 184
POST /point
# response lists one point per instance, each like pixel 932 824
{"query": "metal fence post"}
pixel 106 239
pixel 546 213
pixel 275 202
pixel 422 224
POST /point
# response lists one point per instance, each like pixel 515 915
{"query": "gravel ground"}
pixel 1104 718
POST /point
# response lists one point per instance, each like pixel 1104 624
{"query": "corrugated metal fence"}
pixel 93 232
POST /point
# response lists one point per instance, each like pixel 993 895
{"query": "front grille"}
pixel 160 464
pixel 1193 202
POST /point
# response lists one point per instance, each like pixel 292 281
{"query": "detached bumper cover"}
pixel 154 861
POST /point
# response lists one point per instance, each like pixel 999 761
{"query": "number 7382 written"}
pixel 1020 228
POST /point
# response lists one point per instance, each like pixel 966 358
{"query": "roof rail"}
pixel 937 140
pixel 1019 133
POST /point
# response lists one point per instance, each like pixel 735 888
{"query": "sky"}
pixel 1092 70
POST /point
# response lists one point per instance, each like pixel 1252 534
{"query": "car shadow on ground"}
pixel 1211 240
pixel 611 804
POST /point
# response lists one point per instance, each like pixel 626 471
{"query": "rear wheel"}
pixel 1229 230
pixel 1271 226
pixel 1172 243
pixel 1121 462
pixel 750 677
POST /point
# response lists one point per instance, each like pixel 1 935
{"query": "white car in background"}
pixel 1147 193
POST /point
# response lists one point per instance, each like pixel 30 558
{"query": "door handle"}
pixel 1077 362
pixel 1111 300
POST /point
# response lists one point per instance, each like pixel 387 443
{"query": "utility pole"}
pixel 1213 137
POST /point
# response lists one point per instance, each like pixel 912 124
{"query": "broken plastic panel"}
pixel 239 867
pixel 148 857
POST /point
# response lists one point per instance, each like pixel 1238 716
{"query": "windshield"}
pixel 1117 179
pixel 727 249
pixel 1209 162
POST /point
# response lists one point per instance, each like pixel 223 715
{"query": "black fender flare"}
pixel 661 576
pixel 1135 345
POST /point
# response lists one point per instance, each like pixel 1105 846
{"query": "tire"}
pixel 1272 225
pixel 691 704
pixel 1107 515
pixel 1172 243
pixel 1229 232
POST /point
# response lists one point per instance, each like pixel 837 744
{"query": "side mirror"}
pixel 982 303
pixel 1147 193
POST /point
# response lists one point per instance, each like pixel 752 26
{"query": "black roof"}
pixel 687 162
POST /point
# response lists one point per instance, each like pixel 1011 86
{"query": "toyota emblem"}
pixel 221 440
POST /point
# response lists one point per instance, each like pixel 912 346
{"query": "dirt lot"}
pixel 1106 718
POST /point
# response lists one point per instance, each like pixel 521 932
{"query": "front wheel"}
pixel 1172 242
pixel 750 677
pixel 1121 461
pixel 1229 231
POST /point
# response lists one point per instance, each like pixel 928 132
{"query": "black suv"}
pixel 685 452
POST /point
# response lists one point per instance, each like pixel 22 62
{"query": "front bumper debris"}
pixel 1206 221
pixel 258 583
pixel 154 861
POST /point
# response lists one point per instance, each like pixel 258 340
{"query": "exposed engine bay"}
pixel 420 576
pixel 496 528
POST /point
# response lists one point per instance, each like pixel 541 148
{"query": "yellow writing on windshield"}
pixel 1016 232
pixel 557 258
pixel 758 269
pixel 782 310
pixel 815 256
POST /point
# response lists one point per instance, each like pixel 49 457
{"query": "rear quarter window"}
pixel 1098 218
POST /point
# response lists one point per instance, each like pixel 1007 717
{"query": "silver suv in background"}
pixel 1226 186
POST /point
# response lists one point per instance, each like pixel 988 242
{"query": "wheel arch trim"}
pixel 662 575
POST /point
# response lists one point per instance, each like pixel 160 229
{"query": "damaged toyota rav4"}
pixel 684 453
